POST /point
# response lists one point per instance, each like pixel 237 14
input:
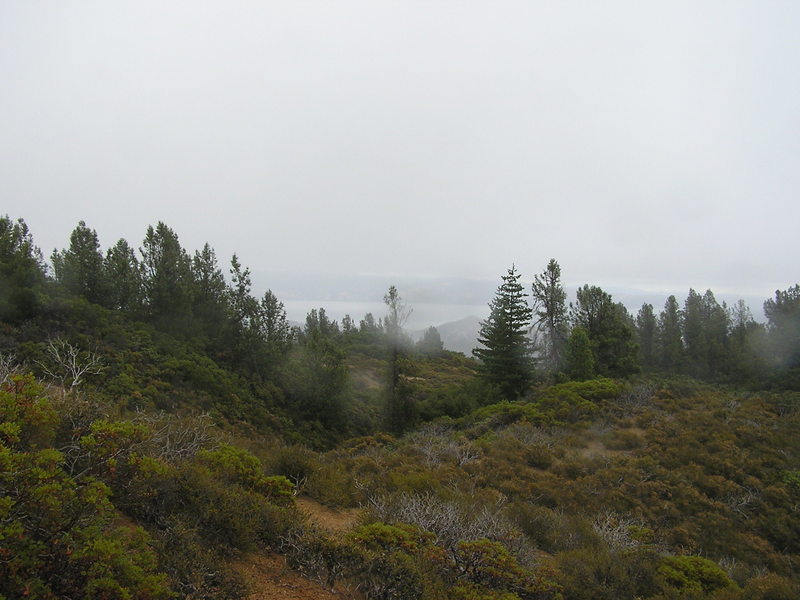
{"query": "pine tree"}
pixel 167 279
pixel 610 329
pixel 397 394
pixel 550 314
pixel 646 330
pixel 783 324
pixel 580 360
pixel 209 297
pixel 80 268
pixel 431 343
pixel 124 278
pixel 705 332
pixel 669 336
pixel 22 270
pixel 505 357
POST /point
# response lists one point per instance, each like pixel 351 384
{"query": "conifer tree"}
pixel 550 314
pixel 397 398
pixel 705 332
pixel 610 329
pixel 431 343
pixel 580 360
pixel 80 268
pixel 21 270
pixel 646 330
pixel 505 354
pixel 783 324
pixel 124 278
pixel 167 279
pixel 669 337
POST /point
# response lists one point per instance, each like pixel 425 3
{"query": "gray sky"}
pixel 644 145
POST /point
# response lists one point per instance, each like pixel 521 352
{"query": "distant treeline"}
pixel 188 296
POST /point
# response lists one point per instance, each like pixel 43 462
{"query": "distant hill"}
pixel 458 336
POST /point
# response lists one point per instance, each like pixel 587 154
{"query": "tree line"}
pixel 532 333
pixel 189 297
pixel 539 334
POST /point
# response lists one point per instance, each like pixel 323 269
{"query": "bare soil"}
pixel 334 520
pixel 269 578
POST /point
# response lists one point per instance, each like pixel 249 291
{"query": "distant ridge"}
pixel 457 336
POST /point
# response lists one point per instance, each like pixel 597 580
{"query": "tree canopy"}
pixel 505 352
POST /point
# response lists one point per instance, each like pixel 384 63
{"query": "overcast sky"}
pixel 642 144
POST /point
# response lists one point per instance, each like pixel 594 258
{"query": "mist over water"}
pixel 423 314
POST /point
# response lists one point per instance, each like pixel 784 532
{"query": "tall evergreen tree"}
pixel 124 278
pixel 705 330
pixel 209 297
pixel 246 321
pixel 610 329
pixel 431 342
pixel 550 314
pixel 745 342
pixel 669 338
pixel 783 325
pixel 80 267
pixel 348 325
pixel 275 329
pixel 579 357
pixel 369 325
pixel 22 271
pixel 167 279
pixel 646 333
pixel 505 355
pixel 397 396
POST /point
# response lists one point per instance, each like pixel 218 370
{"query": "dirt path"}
pixel 334 520
pixel 269 578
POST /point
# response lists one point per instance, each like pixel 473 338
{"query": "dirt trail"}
pixel 334 520
pixel 269 578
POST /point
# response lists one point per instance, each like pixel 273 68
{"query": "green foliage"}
pixel 646 334
pixel 705 331
pixel 316 374
pixel 166 279
pixel 783 316
pixel 579 357
pixel 600 574
pixel 380 537
pixel 610 330
pixel 576 400
pixel 550 310
pixel 431 343
pixel 586 490
pixel 238 466
pixel 124 279
pixel 669 336
pixel 80 268
pixel 770 587
pixel 21 272
pixel 56 538
pixel 505 354
pixel 28 418
pixel 792 479
pixel 693 574
pixel 506 413
pixel 381 569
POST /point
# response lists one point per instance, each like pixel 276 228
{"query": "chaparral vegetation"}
pixel 159 423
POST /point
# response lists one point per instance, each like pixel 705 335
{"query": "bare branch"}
pixel 9 366
pixel 68 365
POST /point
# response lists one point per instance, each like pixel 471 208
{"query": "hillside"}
pixel 155 449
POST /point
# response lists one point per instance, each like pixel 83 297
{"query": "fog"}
pixel 650 147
